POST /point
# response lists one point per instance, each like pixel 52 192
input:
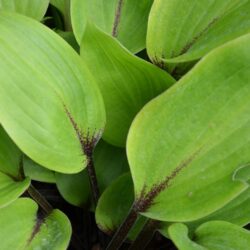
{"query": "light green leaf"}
pixel 12 182
pixel 32 8
pixel 109 161
pixel 185 145
pixel 24 229
pixel 114 204
pixel 124 19
pixel 55 111
pixel 36 172
pixel 181 30
pixel 127 82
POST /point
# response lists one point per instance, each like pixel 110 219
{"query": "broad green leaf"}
pixel 24 228
pixel 12 182
pixel 64 7
pixel 124 19
pixel 127 82
pixel 109 161
pixel 32 8
pixel 49 103
pixel 185 146
pixel 36 172
pixel 114 204
pixel 181 30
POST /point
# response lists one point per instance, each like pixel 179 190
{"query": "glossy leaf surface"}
pixel 127 82
pixel 185 147
pixel 124 19
pixel 55 111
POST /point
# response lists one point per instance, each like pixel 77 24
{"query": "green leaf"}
pixel 125 20
pixel 109 161
pixel 10 189
pixel 230 212
pixel 213 235
pixel 114 204
pixel 185 145
pixel 70 39
pixel 10 155
pixel 32 8
pixel 12 183
pixel 179 235
pixel 25 228
pixel 55 111
pixel 127 82
pixel 36 172
pixel 220 235
pixel 195 29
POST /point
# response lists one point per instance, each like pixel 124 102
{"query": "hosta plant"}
pixel 124 124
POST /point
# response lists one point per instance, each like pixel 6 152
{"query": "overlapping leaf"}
pixel 185 146
pixel 24 228
pixel 114 205
pixel 64 7
pixel 236 211
pixel 127 82
pixel 12 182
pixel 213 235
pixel 109 161
pixel 32 8
pixel 36 172
pixel 181 31
pixel 49 102
pixel 125 20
